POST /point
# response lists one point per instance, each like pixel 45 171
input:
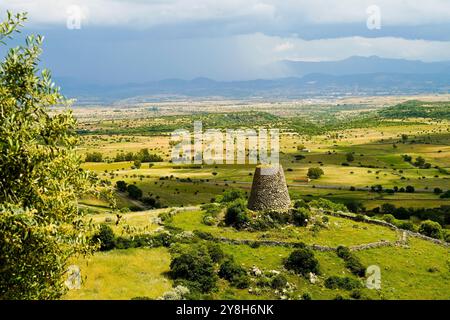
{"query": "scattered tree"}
pixel 315 173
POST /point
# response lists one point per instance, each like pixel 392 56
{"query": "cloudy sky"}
pixel 137 40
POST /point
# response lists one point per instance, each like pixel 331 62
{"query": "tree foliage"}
pixel 315 173
pixel 40 176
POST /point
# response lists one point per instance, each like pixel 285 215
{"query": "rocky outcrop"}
pixel 269 190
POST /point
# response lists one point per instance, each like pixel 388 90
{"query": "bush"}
pixel 300 216
pixel 212 209
pixel 354 206
pixel 236 214
pixel 300 204
pixel 232 195
pixel 302 261
pixel 445 195
pixel 350 157
pixel 215 251
pixel 431 229
pixel 94 157
pixel 151 202
pixel 351 261
pixel 406 225
pixel 204 235
pixel 278 282
pixel 106 237
pixel 121 186
pixel 209 220
pixel 315 173
pixel 195 266
pixel 166 216
pixel 134 192
pixel 410 189
pixel 344 283
pixel 137 164
pixel 388 218
pixel 447 235
pixel 388 208
pixel 234 273
pixel 306 296
pixel 327 205
pixel 177 293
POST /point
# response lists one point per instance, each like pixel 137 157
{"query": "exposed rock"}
pixel 269 189
pixel 312 278
pixel 256 271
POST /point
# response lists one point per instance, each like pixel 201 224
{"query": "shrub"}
pixel 406 225
pixel 344 283
pixel 209 220
pixel 234 273
pixel 388 208
pixel 315 173
pixel 351 261
pixel 204 235
pixel 236 214
pixel 151 202
pixel 145 156
pixel 137 164
pixel 166 216
pixel 349 157
pixel 445 195
pixel 121 186
pixel 94 157
pixel 306 296
pixel 212 209
pixel 302 261
pixel 106 237
pixel 134 192
pixel 388 218
pixel 278 282
pixel 161 239
pixel 447 235
pixel 177 293
pixel 327 205
pixel 410 189
pixel 300 204
pixel 215 251
pixel 354 206
pixel 360 217
pixel 232 195
pixel 431 229
pixel 195 266
pixel 300 216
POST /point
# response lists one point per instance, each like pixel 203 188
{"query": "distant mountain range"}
pixel 364 65
pixel 352 76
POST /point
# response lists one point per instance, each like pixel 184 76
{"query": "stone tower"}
pixel 269 189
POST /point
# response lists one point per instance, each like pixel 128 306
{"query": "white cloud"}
pixel 341 48
pixel 139 13
pixel 285 46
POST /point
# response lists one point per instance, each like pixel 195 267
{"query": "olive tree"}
pixel 41 226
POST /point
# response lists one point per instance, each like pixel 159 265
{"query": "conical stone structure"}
pixel 269 190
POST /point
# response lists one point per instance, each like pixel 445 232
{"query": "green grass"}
pixel 406 274
pixel 340 232
pixel 123 274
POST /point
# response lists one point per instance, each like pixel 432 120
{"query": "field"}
pixel 419 271
pixel 316 134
